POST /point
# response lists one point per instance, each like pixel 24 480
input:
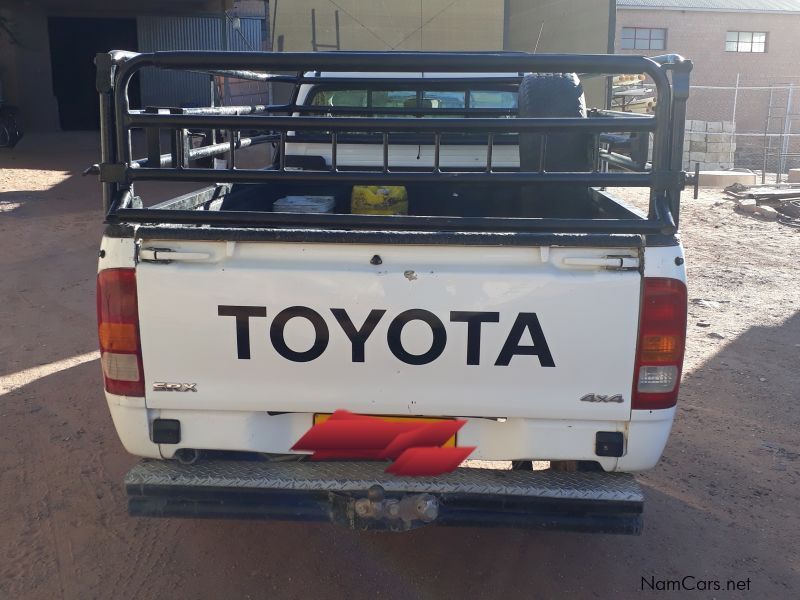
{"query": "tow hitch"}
pixel 405 512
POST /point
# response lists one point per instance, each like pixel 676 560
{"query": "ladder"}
pixel 315 45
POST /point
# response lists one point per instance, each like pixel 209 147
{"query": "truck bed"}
pixel 450 199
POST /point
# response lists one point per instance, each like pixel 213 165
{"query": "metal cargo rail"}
pixel 281 123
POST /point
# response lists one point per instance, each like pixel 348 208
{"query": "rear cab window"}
pixel 434 100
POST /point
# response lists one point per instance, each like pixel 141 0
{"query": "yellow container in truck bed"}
pixel 379 200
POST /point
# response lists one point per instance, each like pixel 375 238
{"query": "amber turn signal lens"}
pixel 660 349
pixel 118 337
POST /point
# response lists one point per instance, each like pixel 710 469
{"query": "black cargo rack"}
pixel 276 123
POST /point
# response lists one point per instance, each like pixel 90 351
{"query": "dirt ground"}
pixel 723 504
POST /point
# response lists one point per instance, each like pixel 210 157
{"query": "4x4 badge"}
pixel 601 398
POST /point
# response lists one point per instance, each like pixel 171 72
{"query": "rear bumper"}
pixel 512 439
pixel 361 496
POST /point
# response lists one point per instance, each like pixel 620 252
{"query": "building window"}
pixel 746 41
pixel 643 38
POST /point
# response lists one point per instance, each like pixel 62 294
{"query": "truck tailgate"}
pixel 546 333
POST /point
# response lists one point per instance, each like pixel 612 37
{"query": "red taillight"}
pixel 662 339
pixel 118 329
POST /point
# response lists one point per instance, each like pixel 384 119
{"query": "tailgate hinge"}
pixel 166 255
pixel 610 263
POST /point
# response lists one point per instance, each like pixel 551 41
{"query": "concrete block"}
pixel 747 205
pixel 698 147
pixel 718 138
pixel 698 125
pixel 794 176
pixel 728 126
pixel 697 137
pixel 697 157
pixel 714 127
pixel 718 147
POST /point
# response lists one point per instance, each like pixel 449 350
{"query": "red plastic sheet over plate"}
pixel 419 446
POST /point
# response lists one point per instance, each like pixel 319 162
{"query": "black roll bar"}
pixel 119 170
pixel 388 124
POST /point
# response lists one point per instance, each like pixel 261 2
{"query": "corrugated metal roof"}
pixel 715 5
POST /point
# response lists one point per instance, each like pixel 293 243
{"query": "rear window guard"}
pixel 119 170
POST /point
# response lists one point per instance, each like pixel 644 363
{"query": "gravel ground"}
pixel 723 503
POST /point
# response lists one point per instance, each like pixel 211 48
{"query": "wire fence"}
pixel 765 118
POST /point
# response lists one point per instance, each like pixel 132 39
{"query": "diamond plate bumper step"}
pixel 361 496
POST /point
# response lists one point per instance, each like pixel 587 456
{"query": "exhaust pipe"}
pixel 187 456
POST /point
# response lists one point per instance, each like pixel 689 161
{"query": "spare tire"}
pixel 553 95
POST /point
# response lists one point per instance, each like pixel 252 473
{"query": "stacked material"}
pixel 779 202
pixel 621 80
pixel 710 143
pixel 304 204
pixel 631 94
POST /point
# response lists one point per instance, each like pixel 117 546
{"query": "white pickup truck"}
pixel 513 295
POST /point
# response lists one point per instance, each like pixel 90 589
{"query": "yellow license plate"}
pixel 451 443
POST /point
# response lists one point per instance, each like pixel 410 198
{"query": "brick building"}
pixel 756 42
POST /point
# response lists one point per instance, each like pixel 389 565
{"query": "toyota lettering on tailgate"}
pixel 515 344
